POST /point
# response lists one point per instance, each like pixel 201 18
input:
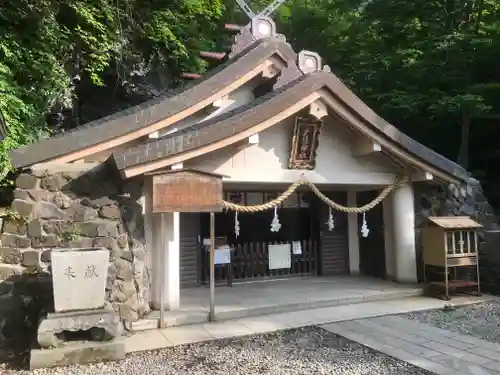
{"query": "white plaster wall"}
pixel 267 162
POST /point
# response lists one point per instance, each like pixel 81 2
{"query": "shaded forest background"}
pixel 430 67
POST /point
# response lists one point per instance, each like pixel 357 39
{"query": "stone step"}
pixel 186 317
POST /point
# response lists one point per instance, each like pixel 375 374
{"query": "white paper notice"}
pixel 297 248
pixel 222 256
pixel 279 256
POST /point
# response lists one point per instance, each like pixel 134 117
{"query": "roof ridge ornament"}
pixel 307 62
pixel 261 26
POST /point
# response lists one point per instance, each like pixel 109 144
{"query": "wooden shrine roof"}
pixel 155 110
pixel 261 109
pixel 454 222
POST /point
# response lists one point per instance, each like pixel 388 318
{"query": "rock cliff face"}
pixel 78 207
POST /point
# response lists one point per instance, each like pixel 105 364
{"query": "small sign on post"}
pixel 188 190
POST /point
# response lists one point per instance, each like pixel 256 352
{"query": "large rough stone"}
pixel 10 255
pixel 22 194
pixel 23 208
pixel 14 240
pixel 26 181
pixel 126 287
pixel 139 251
pixel 40 195
pixel 78 243
pixel 107 229
pixel 128 310
pixel 50 240
pixel 14 227
pixel 58 227
pixel 46 256
pixel 83 213
pixel 106 242
pixel 53 183
pixel 61 200
pixel 124 270
pixel 31 258
pixel 110 212
pixel 35 228
pixel 47 210
pixel 87 229
pixel 97 203
pixel 122 241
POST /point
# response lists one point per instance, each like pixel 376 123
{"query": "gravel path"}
pixel 307 351
pixel 480 320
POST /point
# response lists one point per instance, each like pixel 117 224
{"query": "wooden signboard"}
pixel 304 143
pixel 187 190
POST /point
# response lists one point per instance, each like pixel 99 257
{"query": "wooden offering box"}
pixel 450 243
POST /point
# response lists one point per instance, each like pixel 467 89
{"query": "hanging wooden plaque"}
pixel 305 143
pixel 187 190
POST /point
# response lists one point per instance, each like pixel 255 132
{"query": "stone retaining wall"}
pixel 465 200
pixel 71 206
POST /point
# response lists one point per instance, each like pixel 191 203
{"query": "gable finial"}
pixel 265 13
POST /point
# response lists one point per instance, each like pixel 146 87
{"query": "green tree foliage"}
pixel 48 45
pixel 428 66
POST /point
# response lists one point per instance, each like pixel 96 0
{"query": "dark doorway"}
pixel 371 248
pixel 250 257
pixel 334 244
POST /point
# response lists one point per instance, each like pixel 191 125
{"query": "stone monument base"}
pixel 103 324
pixel 78 353
pixel 61 342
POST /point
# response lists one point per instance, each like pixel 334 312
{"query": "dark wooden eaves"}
pixel 261 109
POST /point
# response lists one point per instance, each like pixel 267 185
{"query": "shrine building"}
pixel 266 118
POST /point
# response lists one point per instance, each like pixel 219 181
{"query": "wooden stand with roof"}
pixel 450 243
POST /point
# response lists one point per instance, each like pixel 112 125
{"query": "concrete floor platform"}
pixel 277 296
pixel 188 334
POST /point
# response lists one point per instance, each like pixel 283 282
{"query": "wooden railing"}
pixel 251 261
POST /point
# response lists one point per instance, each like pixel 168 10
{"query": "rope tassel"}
pixel 330 222
pixel 275 224
pixel 236 225
pixel 364 227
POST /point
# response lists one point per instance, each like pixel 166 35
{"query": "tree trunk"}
pixel 463 153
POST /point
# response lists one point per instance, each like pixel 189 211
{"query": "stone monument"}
pixel 79 329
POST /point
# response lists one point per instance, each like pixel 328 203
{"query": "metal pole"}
pixel 162 271
pixel 211 314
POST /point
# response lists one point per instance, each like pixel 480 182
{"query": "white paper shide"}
pixel 79 278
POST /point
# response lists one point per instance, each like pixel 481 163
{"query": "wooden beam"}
pixel 252 140
pixel 212 55
pixel 422 176
pixel 270 72
pixel 318 109
pixel 190 75
pixel 231 27
pixel 365 147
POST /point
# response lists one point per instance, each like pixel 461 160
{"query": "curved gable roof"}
pixel 146 114
pixel 259 110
